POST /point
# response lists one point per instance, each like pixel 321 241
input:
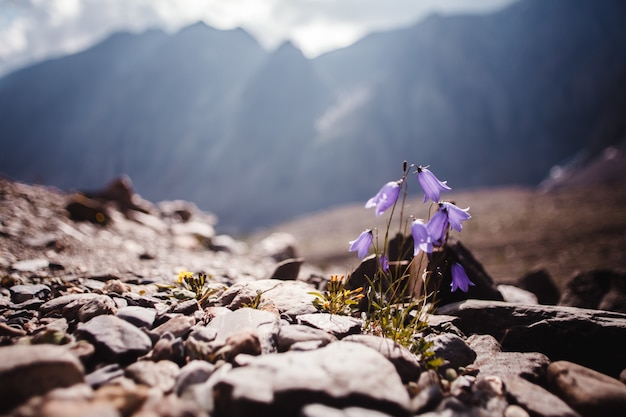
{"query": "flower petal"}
pixel 460 280
pixel 385 198
pixel 430 184
pixel 362 243
pixel 422 240
pixel 438 226
pixel 456 215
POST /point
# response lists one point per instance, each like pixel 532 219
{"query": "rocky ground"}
pixel 92 322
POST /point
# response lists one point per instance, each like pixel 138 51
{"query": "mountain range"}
pixel 260 136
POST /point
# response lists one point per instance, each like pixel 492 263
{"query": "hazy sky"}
pixel 31 30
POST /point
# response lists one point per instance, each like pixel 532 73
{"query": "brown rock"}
pixel 536 400
pixel 27 371
pixel 587 391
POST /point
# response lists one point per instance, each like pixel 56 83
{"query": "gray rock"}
pixel 103 375
pixel 186 307
pixel 266 325
pixel 489 394
pixel 298 333
pixel 288 269
pixel 195 372
pixel 551 330
pixel 27 371
pixel 31 265
pixel 115 339
pixel 138 316
pixel 321 410
pixel 588 392
pixel 338 326
pixel 452 349
pixel 406 363
pixel 161 375
pixel 536 400
pixel 178 326
pixel 245 341
pixel 540 283
pixel 96 307
pixel 170 406
pixel 169 348
pixel 279 246
pixel 598 289
pixel 342 374
pixel 57 305
pixel 513 294
pixel 491 361
pixel 23 293
pixel 289 297
pixel 429 393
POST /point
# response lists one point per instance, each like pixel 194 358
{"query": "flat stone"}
pixel 115 339
pixel 342 374
pixel 291 334
pixel 96 307
pixel 452 349
pixel 289 297
pixel 536 400
pixel 582 336
pixel 178 326
pixel 58 304
pixel 31 265
pixel 137 316
pixel 161 375
pixel 406 363
pixel 27 371
pixel 587 391
pixel 23 293
pixel 513 294
pixel 321 410
pixel 193 373
pixel 265 324
pixel 490 360
pixel 287 270
pixel 338 326
pixel 103 375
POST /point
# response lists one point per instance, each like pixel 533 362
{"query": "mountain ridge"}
pixel 261 136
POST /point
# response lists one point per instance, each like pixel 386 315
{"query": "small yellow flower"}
pixel 336 278
pixel 184 276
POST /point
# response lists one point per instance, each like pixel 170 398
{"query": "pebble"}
pixel 338 326
pixel 23 293
pixel 161 374
pixel 115 339
pixel 137 316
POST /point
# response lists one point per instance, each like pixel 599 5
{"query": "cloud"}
pixel 33 30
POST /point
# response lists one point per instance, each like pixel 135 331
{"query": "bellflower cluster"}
pixel 427 236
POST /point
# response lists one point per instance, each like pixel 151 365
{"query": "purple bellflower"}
pixel 362 243
pixel 438 226
pixel 422 240
pixel 430 184
pixel 385 198
pixel 460 280
pixel 456 215
pixel 384 263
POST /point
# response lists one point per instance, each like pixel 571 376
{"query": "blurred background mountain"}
pixel 520 96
